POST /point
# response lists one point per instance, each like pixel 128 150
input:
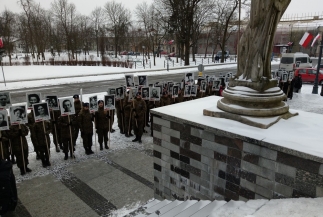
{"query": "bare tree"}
pixel 8 22
pixel 118 18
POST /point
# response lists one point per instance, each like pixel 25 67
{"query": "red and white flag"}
pixel 306 39
pixel 315 39
pixel 1 43
pixel 171 42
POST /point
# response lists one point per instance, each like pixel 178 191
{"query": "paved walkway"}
pixel 91 185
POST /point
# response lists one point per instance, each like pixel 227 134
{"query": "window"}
pixel 302 71
pixel 311 71
pixel 301 59
pixel 287 60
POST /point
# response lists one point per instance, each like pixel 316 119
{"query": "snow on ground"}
pixel 304 101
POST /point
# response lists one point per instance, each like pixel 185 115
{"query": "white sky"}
pixel 85 6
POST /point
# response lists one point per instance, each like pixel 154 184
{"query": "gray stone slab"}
pixel 171 132
pixel 165 137
pixel 161 122
pixel 207 152
pixel 266 173
pixel 321 169
pixel 248 185
pixel 268 184
pixel 170 146
pixel 268 153
pixel 157 134
pixel 266 193
pixel 195 148
pixel 162 150
pixel 215 147
pixel 286 170
pixel 319 191
pixel 206 160
pixel 251 148
pixel 284 190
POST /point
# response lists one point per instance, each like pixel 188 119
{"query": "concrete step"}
pixel 193 208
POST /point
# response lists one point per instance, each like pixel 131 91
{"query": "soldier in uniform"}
pixel 54 115
pixel 102 125
pixel 43 129
pixel 78 107
pixel 119 111
pixel 127 113
pixel 33 136
pixel 180 97
pixel 165 100
pixel 85 119
pixel 20 146
pixel 138 114
pixel 66 124
pixel 4 148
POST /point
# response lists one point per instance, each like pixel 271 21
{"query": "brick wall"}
pixel 197 162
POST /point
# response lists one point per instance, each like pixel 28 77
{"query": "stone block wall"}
pixel 193 161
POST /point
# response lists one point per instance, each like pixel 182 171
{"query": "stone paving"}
pixel 93 186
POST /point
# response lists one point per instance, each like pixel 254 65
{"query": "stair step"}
pixel 150 204
pixel 210 208
pixel 166 208
pixel 179 208
pixel 227 209
pixel 194 208
pixel 158 206
pixel 249 208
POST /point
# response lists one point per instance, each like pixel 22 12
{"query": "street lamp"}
pixel 97 40
pixel 316 81
pixel 143 55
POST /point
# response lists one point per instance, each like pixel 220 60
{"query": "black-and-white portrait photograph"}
pixel 216 85
pixel 203 86
pixel 175 91
pixel 111 91
pixel 170 87
pixel 93 103
pixel 41 111
pixel 67 106
pixel 142 80
pixel 145 93
pixel 284 77
pixel 5 100
pixel 194 90
pixel 120 93
pixel 109 102
pixel 129 81
pixel 154 93
pixel 187 90
pixel 32 98
pixel 4 124
pixel 189 78
pixel 18 115
pixel 52 102
pixel 290 75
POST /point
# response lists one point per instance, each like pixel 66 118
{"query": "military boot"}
pixel 22 171
pixel 136 139
pixel 66 156
pixel 90 150
pixel 106 145
pixel 44 163
pixel 101 147
pixel 139 139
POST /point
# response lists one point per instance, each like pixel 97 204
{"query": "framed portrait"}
pixel 5 100
pixel 4 124
pixel 18 115
pixel 187 90
pixel 194 90
pixel 119 93
pixel 93 103
pixel 142 80
pixel 41 111
pixel 175 91
pixel 203 86
pixel 111 91
pixel 216 85
pixel 109 102
pixel 154 93
pixel 132 92
pixel 145 93
pixel 297 64
pixel 290 75
pixel 32 98
pixel 284 77
pixel 52 102
pixel 170 87
pixel 129 81
pixel 67 106
pixel 189 78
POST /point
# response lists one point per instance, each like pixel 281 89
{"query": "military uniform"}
pixel 20 146
pixel 85 119
pixel 138 120
pixel 165 100
pixel 66 124
pixel 4 148
pixel 119 111
pixel 33 137
pixel 54 115
pixel 43 129
pixel 102 126
pixel 179 98
pixel 127 119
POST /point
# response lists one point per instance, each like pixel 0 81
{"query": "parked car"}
pixel 292 61
pixel 172 54
pixel 309 74
pixel 123 52
pixel 219 54
pixel 321 66
pixel 163 52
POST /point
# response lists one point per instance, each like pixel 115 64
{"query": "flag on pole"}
pixel 1 43
pixel 315 39
pixel 306 39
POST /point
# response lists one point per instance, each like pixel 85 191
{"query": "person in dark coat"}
pixel 66 124
pixel 127 115
pixel 102 118
pixel 17 135
pixel 138 114
pixel 33 136
pixel 10 198
pixel 54 115
pixel 85 119
pixel 78 107
pixel 298 84
pixel 43 129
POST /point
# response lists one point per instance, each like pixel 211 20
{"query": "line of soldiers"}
pixel 131 116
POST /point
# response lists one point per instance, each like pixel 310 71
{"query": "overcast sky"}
pixel 86 6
